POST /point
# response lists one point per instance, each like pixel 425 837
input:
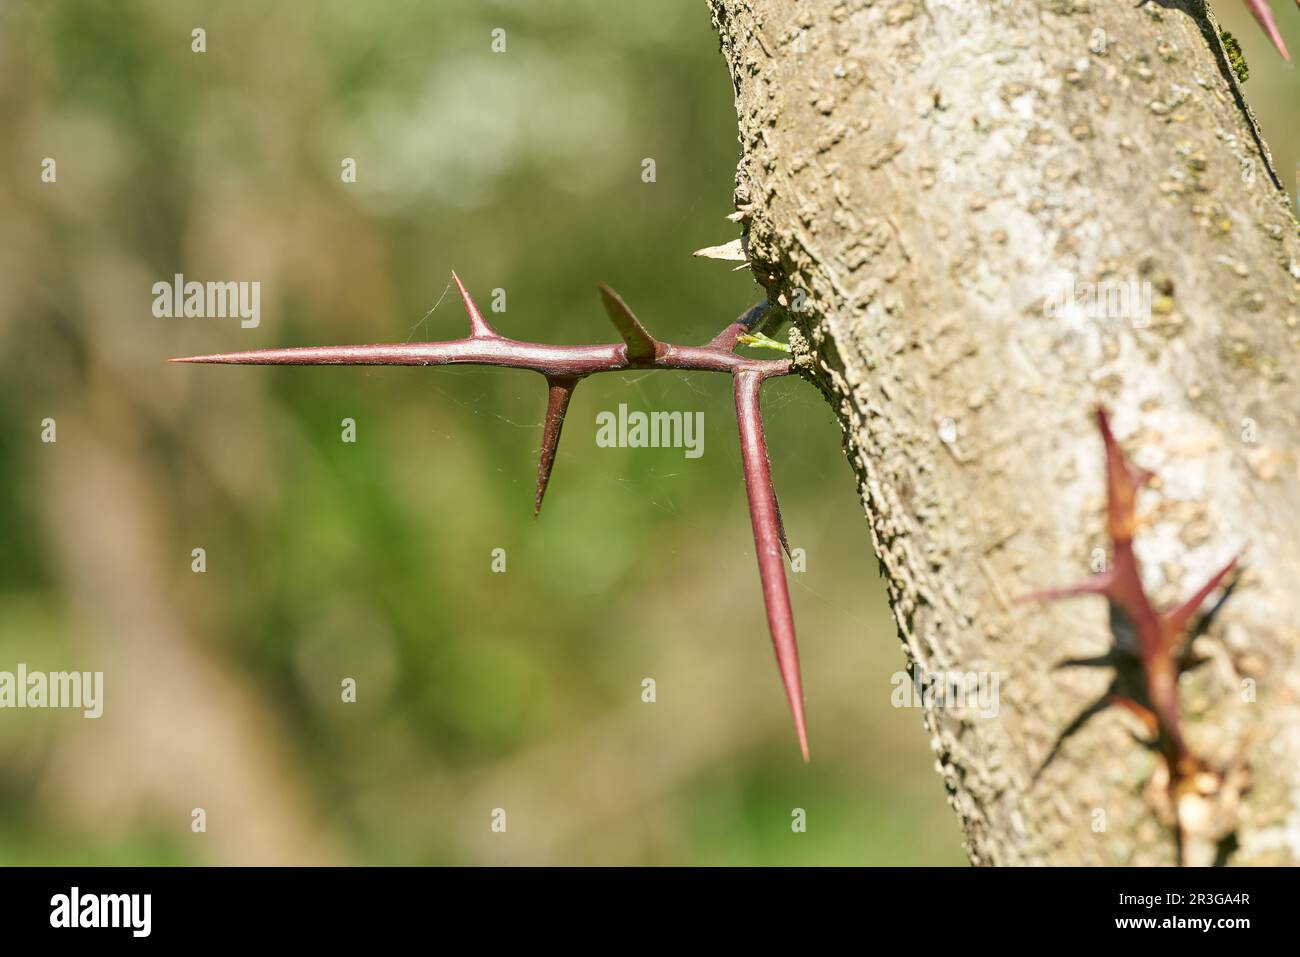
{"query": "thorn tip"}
pixel 641 346
pixel 559 392
pixel 479 328
pixel 765 519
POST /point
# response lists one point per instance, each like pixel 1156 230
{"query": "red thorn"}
pixel 557 403
pixel 479 328
pixel 641 346
pixel 396 354
pixel 751 317
pixel 1122 484
pixel 771 570
pixel 1176 619
pixel 1264 14
pixel 1157 635
pixel 563 367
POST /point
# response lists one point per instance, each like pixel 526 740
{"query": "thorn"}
pixel 563 367
pixel 1203 623
pixel 733 251
pixel 771 570
pixel 745 322
pixel 1122 484
pixel 1264 14
pixel 403 353
pixel 478 326
pixel 1138 629
pixel 557 403
pixel 1176 619
pixel 641 346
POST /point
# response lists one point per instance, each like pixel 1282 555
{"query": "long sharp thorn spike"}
pixel 560 391
pixel 771 570
pixel 641 346
pixel 1264 14
pixel 732 251
pixel 1122 484
pixel 478 326
pixel 751 317
pixel 1176 619
pixel 396 354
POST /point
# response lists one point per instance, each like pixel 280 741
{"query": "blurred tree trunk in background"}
pixel 925 179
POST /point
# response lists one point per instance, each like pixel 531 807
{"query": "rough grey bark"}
pixel 922 178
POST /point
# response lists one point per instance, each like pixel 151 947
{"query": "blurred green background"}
pixel 326 560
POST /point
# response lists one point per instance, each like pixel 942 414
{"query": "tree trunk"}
pixel 920 182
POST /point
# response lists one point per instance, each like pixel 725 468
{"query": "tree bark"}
pixel 919 182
